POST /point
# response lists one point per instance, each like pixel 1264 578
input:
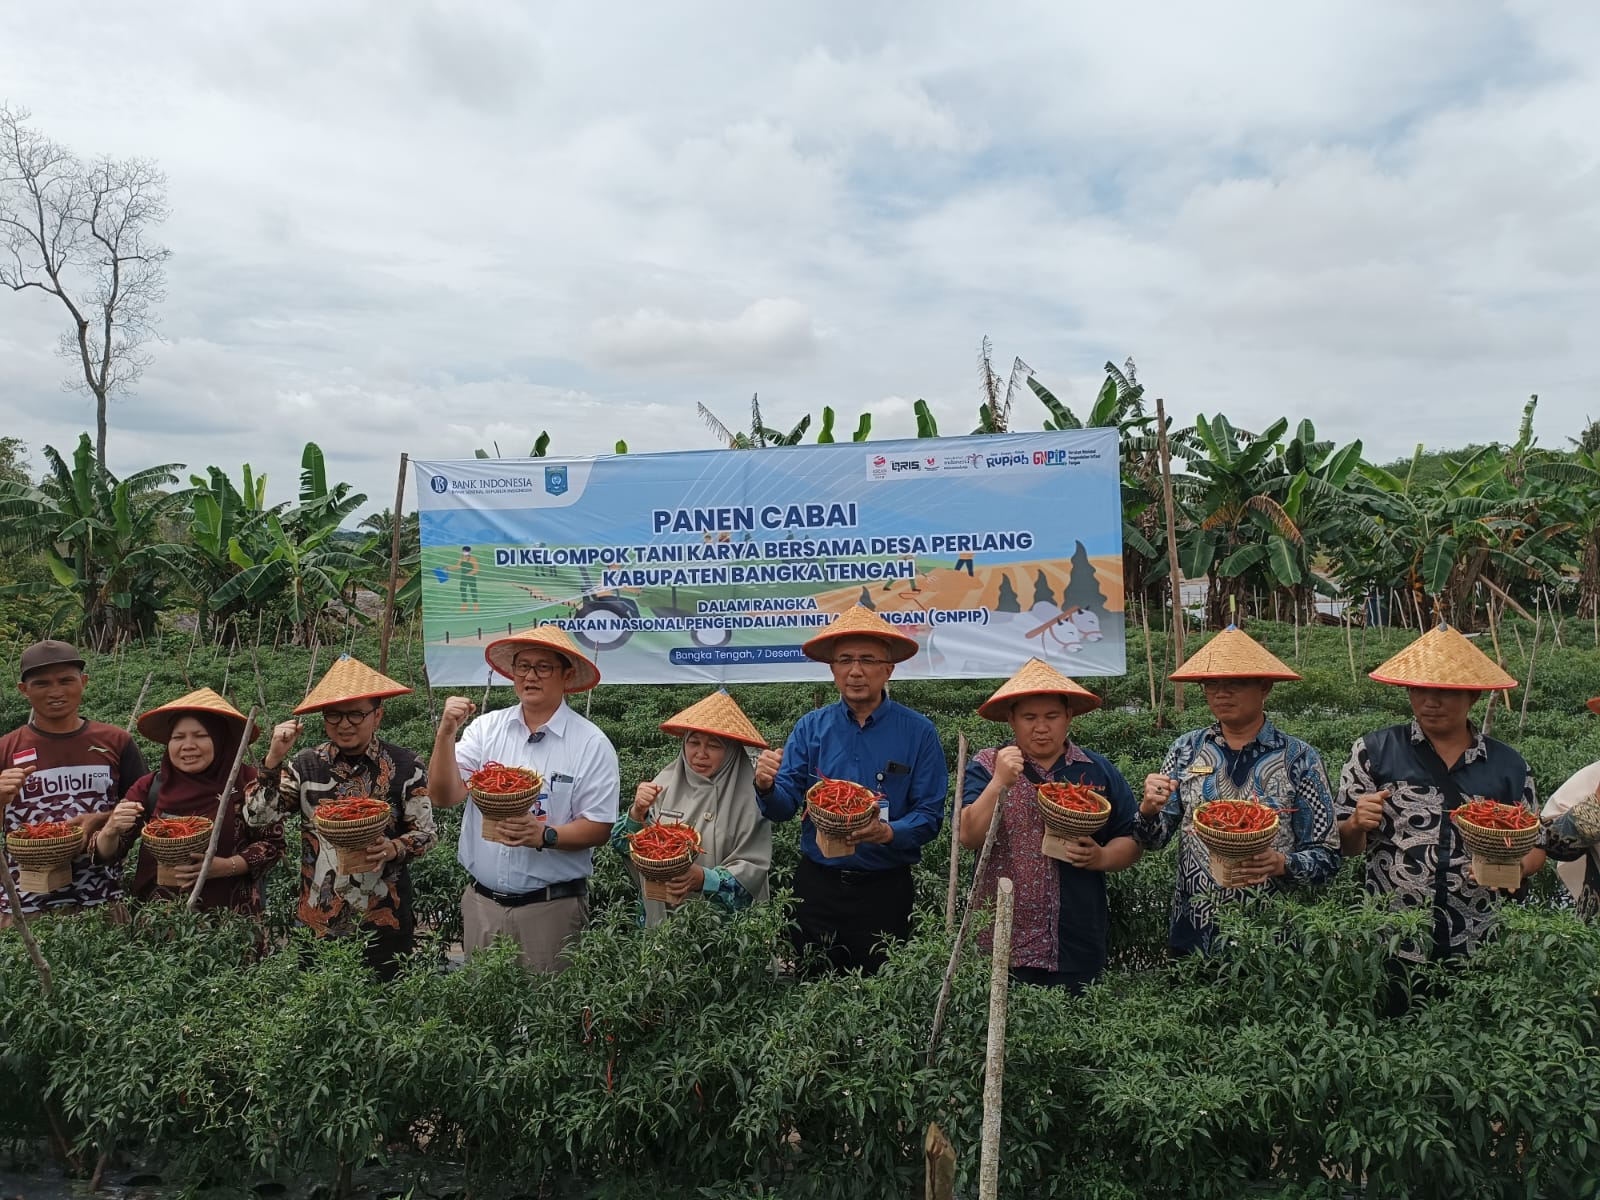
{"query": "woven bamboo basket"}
pixel 353 835
pixel 1229 848
pixel 1497 845
pixel 174 852
pixel 833 823
pixel 45 854
pixel 656 873
pixel 499 805
pixel 1070 822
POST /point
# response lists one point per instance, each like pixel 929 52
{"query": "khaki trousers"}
pixel 541 931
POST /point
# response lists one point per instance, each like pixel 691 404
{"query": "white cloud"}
pixel 425 228
pixel 768 333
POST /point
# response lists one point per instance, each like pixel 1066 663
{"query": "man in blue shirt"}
pixel 848 906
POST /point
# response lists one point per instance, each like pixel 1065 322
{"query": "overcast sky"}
pixel 426 227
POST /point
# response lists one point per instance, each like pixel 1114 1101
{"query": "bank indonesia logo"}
pixel 555 480
pixel 439 484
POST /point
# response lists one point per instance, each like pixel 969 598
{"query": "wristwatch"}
pixel 549 837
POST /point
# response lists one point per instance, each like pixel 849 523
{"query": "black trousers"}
pixel 847 914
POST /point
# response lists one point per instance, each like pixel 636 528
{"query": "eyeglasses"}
pixel 1225 685
pixel 354 717
pixel 541 669
pixel 850 660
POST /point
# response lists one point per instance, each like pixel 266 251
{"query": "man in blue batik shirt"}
pixel 1242 756
pixel 849 906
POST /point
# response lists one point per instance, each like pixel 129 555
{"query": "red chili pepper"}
pixel 176 827
pixel 841 797
pixel 357 809
pixel 1078 797
pixel 500 780
pixel 43 831
pixel 1489 814
pixel 1237 816
pixel 664 841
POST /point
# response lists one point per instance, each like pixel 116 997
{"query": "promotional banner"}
pixel 715 565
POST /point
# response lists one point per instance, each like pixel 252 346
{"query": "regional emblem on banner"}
pixel 555 480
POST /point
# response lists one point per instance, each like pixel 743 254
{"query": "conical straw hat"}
pixel 856 621
pixel 718 714
pixel 1037 678
pixel 1233 654
pixel 1594 705
pixel 552 637
pixel 1443 658
pixel 158 722
pixel 349 679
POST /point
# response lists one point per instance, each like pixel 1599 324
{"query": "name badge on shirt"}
pixel 1201 769
pixel 667 814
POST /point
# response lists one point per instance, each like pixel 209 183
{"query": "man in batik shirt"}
pixel 1242 756
pixel 1401 783
pixel 353 762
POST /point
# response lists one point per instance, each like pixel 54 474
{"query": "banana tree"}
pixel 825 434
pixel 102 540
pixel 304 575
pixel 1237 533
pixel 219 513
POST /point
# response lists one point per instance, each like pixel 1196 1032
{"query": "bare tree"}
pixel 80 232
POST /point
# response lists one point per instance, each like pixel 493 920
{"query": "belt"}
pixel 556 891
pixel 853 878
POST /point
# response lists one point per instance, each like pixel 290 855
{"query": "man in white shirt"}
pixel 531 885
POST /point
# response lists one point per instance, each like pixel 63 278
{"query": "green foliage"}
pixel 1267 1068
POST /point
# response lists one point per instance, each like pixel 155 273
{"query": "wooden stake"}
pixel 222 812
pixel 961 933
pixel 311 673
pixel 1555 613
pixel 1172 544
pixel 1350 644
pixel 134 715
pixel 994 1071
pixel 394 570
pixel 1150 659
pixel 20 920
pixel 955 834
pixel 1498 591
pixel 193 641
pixel 1527 687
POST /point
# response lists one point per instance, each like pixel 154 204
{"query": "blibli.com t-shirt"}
pixel 73 773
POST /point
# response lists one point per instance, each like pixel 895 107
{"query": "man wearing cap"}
pixel 1401 782
pixel 848 906
pixel 1242 755
pixel 1062 917
pixel 352 762
pixel 532 883
pixel 60 767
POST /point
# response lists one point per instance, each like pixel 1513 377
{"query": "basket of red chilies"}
pixel 1072 810
pixel 1234 830
pixel 1498 836
pixel 839 808
pixel 660 852
pixel 351 825
pixel 173 841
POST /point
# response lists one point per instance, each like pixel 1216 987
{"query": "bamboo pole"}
pixel 994 1070
pixel 1150 659
pixel 134 715
pixel 20 920
pixel 1499 655
pixel 222 811
pixel 1172 545
pixel 961 933
pixel 311 672
pixel 1498 591
pixel 1554 610
pixel 955 835
pixel 1533 659
pixel 1350 643
pixel 394 569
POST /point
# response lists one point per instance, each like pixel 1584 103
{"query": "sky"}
pixel 429 227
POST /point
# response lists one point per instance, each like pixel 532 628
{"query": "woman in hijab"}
pixel 201 732
pixel 711 785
